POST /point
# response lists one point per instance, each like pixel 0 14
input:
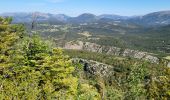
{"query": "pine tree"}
pixel 30 69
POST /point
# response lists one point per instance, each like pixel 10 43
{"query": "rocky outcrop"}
pixel 92 47
pixel 134 54
pixel 151 59
pixel 140 55
pixel 114 51
pixel 168 64
pixel 94 67
pixel 78 45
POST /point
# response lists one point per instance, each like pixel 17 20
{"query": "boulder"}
pixel 94 67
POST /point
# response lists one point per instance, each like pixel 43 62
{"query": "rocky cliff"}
pixel 92 47
pixel 168 65
pixel 95 68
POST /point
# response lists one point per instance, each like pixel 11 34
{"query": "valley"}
pixel 107 30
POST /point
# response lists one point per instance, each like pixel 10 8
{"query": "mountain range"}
pixel 152 19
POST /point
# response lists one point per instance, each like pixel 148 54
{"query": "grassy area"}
pixel 107 59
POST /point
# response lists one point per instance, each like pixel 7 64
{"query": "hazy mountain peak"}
pixel 87 15
pixel 112 16
pixel 151 19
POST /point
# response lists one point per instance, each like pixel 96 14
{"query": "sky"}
pixel 77 7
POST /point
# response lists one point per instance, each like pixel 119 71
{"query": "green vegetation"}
pixel 155 40
pixel 32 69
pixel 131 79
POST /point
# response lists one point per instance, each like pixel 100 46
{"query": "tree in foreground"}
pixel 30 69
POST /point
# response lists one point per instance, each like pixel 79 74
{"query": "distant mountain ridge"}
pixel 86 17
pixel 114 17
pixel 27 17
pixel 151 19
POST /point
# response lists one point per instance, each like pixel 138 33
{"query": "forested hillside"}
pixel 31 68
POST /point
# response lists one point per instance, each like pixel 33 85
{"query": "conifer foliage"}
pixel 30 69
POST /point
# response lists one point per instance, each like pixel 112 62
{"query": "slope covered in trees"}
pixel 130 79
pixel 32 69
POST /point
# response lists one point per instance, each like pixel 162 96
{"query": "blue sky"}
pixel 76 7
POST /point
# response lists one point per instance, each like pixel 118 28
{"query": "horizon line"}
pixel 84 13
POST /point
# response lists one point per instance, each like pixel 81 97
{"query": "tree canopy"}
pixel 31 69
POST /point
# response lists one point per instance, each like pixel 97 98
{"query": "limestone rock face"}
pixel 134 54
pixel 128 53
pixel 139 55
pixel 114 51
pixel 93 47
pixel 168 64
pixel 152 59
pixel 78 45
pixel 94 67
